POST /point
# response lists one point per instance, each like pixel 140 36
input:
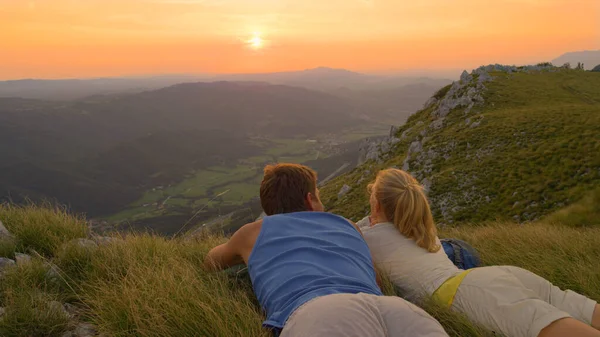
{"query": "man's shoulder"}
pixel 249 228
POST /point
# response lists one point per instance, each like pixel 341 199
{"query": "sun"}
pixel 256 42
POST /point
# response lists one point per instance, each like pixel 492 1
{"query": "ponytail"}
pixel 405 204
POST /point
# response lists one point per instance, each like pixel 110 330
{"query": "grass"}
pixel 535 151
pixel 41 229
pixel 145 285
pixel 582 214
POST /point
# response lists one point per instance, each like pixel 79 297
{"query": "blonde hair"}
pixel 405 204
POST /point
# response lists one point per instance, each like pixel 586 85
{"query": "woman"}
pixel 508 300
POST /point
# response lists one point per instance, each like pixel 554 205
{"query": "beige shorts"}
pixel 517 303
pixel 361 315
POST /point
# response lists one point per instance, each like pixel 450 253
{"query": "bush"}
pixel 41 229
pixel 596 68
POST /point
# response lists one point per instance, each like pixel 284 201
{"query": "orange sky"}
pixel 91 38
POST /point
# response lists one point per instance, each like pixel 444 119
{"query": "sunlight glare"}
pixel 256 42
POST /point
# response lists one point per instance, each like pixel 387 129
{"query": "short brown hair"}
pixel 285 186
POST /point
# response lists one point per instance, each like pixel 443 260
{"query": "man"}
pixel 312 271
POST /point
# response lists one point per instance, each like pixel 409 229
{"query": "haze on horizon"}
pixel 102 38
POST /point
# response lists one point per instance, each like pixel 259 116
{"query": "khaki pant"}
pixel 517 303
pixel 361 315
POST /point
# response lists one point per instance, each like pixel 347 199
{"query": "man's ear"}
pixel 308 200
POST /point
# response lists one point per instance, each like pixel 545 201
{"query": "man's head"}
pixel 288 188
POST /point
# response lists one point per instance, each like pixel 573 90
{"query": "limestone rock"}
pixel 84 330
pixel 58 307
pixel 105 240
pixel 22 258
pixel 85 243
pixel 4 233
pixel 71 309
pixel 426 185
pixel 53 273
pixel 344 190
pixel 6 263
pixel 465 77
pixel 415 147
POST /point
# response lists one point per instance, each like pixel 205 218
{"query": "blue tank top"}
pixel 304 255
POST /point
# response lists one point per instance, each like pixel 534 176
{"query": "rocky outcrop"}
pixel 344 190
pixel 376 149
pixel 4 233
pixel 463 97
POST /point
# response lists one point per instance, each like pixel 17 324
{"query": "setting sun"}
pixel 256 42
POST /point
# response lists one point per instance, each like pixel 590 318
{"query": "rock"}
pixel 344 190
pixel 2 311
pixel 4 233
pixel 53 273
pixel 71 309
pixel 415 147
pixel 85 330
pixel 58 307
pixel 467 121
pixel 475 124
pixel 464 77
pixel 393 131
pixel 105 240
pixel 430 102
pixel 6 263
pixel 426 185
pixel 84 243
pixel 437 124
pixel 406 165
pixel 22 258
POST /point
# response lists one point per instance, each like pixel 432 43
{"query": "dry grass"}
pixel 41 229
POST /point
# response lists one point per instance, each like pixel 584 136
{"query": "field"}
pixel 216 190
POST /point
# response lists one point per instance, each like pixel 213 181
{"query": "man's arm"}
pixel 229 254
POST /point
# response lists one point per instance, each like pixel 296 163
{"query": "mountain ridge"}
pixel 480 146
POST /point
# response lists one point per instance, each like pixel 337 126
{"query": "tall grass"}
pixel 41 229
pixel 153 286
pixel 581 214
pixel 28 295
pixel 566 256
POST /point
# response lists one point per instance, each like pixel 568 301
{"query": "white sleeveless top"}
pixel 414 270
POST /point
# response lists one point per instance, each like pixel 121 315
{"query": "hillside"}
pixel 503 143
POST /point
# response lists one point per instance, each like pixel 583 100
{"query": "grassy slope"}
pixel 536 150
pixel 145 285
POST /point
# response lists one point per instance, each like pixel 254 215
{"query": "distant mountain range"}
pixel 322 79
pixel 590 59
